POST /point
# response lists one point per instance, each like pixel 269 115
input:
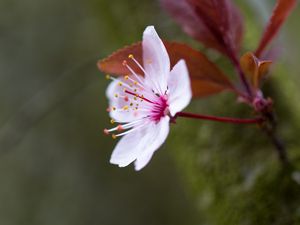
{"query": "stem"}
pixel 276 141
pixel 280 148
pixel 218 119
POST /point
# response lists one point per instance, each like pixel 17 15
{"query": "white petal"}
pixel 120 115
pixel 142 161
pixel 162 131
pixel 180 92
pixel 140 142
pixel 156 60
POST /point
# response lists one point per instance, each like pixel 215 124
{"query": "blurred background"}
pixel 54 158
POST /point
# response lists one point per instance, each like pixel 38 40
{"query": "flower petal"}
pixel 156 60
pixel 140 143
pixel 162 131
pixel 120 115
pixel 179 88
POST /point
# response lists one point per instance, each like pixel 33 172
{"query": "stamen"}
pixel 107 76
pixel 130 56
pixel 132 71
pixel 112 121
pixel 129 131
pixel 149 61
pixel 137 63
pixel 120 128
pixel 139 96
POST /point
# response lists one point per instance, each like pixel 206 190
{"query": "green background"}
pixel 54 158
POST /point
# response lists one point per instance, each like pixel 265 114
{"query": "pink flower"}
pixel 143 106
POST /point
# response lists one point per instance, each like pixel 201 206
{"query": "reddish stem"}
pixel 218 119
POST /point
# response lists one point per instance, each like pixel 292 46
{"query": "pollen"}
pixel 130 56
pixel 126 107
pixel 112 121
pixel 120 84
pixel 107 76
pixel 113 136
pixel 131 104
pixel 135 82
pixel 126 77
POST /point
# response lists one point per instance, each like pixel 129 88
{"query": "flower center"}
pixel 160 108
pixel 139 100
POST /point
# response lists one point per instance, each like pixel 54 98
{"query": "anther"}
pixel 116 95
pixel 105 131
pixel 120 128
pixel 125 107
pixel 113 136
pixel 126 77
pixel 120 84
pixel 130 56
pixel 112 121
pixel 107 76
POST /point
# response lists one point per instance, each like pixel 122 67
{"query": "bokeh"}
pixel 54 158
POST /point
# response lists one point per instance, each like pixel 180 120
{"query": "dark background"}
pixel 54 158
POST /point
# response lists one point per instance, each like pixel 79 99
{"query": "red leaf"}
pixel 205 76
pixel 113 64
pixel 280 13
pixel 216 23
